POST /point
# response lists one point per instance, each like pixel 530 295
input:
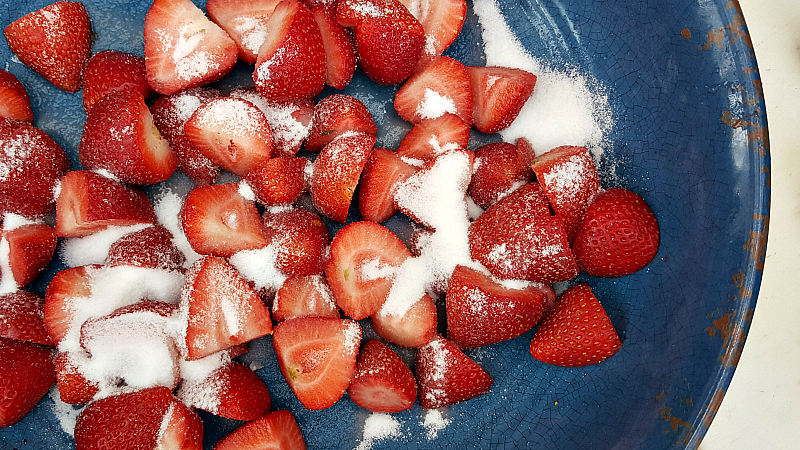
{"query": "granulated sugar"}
pixel 66 414
pixel 93 249
pixel 378 427
pixel 434 422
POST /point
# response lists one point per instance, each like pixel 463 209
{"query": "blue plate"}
pixel 690 136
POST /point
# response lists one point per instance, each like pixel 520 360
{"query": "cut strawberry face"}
pixel 500 168
pixel 31 247
pixel 384 169
pixel 412 329
pixel 389 46
pixel 447 376
pixel 277 430
pixel 335 115
pixel 22 318
pixel 233 391
pixel 73 387
pixel 27 372
pixel 218 221
pixel 67 287
pixel 317 357
pixel 152 247
pixel 244 21
pixel 304 296
pixel 382 382
pixel 110 71
pixel 577 332
pixel 301 239
pixel 119 136
pixel 443 87
pixel 55 41
pixel 336 174
pixel 278 181
pixel 363 261
pixel 340 57
pixel 430 138
pixel 182 48
pixel 499 94
pixel 442 21
pixel 15 104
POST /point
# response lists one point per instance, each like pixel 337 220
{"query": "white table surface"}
pixel 761 409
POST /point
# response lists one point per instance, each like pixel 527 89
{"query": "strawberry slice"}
pixel 22 318
pixel 617 236
pixel 31 247
pixel 152 247
pixel 279 181
pixel 244 21
pixel 218 221
pixel 383 170
pixel 442 21
pixel 301 239
pixel 88 202
pixel 335 115
pixel 364 257
pixel 27 372
pixel 349 13
pixel 304 296
pixel 340 57
pixel 317 357
pixel 232 391
pixel 55 41
pixel 382 382
pixel 577 332
pixel 447 376
pixel 119 136
pixel 73 387
pixel 112 70
pixel 430 138
pixel 67 287
pixel 336 172
pixel 277 430
pixel 412 329
pixel 443 87
pixel 293 45
pixel 389 46
pixel 499 94
pixel 500 169
pixel 182 48
pixel 222 309
pixel 15 103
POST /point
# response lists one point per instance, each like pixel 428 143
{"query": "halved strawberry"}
pixel 278 181
pixel 304 296
pixel 447 376
pixel 232 391
pixel 22 318
pixel 301 240
pixel 244 21
pixel 27 372
pixel 412 329
pixel 277 430
pixel 442 21
pixel 383 170
pixel 498 93
pixel 55 41
pixel 73 387
pixel 389 46
pixel 31 247
pixel 430 138
pixel 577 332
pixel 112 70
pixel 340 57
pixel 218 221
pixel 119 136
pixel 222 309
pixel 335 115
pixel 182 48
pixel 317 357
pixel 290 122
pixel 293 46
pixel 526 150
pixel 152 247
pixel 336 173
pixel 443 87
pixel 349 13
pixel 88 202
pixel 499 169
pixel 67 287
pixel 382 382
pixel 15 103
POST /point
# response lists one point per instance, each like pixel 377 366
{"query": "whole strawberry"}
pixel 617 236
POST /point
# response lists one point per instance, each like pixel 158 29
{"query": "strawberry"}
pixel 231 132
pixel 500 169
pixel 383 170
pixel 335 115
pixel 317 357
pixel 336 173
pixel 432 137
pixel 363 259
pixel 482 311
pixel 31 164
pixel 222 309
pixel 382 382
pixel 218 221
pixel 389 46
pixel 412 329
pixel 442 21
pixel 301 239
pixel 112 70
pixel 31 247
pixel 15 103
pixel 498 93
pixel 244 21
pixel 182 48
pixel 526 150
pixel 55 41
pixel 443 87
pixel 577 332
pixel 119 136
pixel 278 181
pixel 304 296
pixel 67 287
pixel 73 387
pixel 617 236
pixel 447 376
pixel 150 418
pixel 232 391
pixel 517 238
pixel 277 430
pixel 27 372
pixel 88 202
pixel 570 181
pixel 340 57
pixel 349 13
pixel 22 318
pixel 291 61
pixel 151 247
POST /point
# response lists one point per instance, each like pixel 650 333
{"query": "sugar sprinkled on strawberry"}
pixel 93 249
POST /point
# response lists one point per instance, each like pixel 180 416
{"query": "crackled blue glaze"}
pixel 689 136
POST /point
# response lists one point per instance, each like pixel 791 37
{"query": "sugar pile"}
pixel 378 427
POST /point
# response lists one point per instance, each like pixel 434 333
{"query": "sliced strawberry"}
pixel 382 382
pixel 223 310
pixel 317 357
pixel 442 21
pixel 232 391
pixel 152 247
pixel 340 57
pixel 336 174
pixel 182 429
pixel 363 259
pixel 577 332
pixel 119 136
pixel 112 70
pixel 88 202
pixel 336 115
pixel 304 296
pixel 499 93
pixel 447 376
pixel 67 287
pixel 432 137
pixel 73 387
pixel 389 46
pixel 22 318
pixel 517 238
pixel 277 430
pixel 279 181
pixel 349 13
pixel 526 150
pixel 27 372
pixel 55 41
pixel 443 87
pixel 500 168
pixel 31 247
pixel 15 103
pixel 301 239
pixel 617 236
pixel 244 21
pixel 383 170
pixel 293 46
pixel 412 329
pixel 182 48
pixel 218 221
